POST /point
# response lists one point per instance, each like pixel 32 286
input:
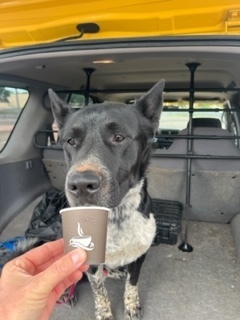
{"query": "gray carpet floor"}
pixel 202 285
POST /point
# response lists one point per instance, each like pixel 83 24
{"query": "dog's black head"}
pixel 106 146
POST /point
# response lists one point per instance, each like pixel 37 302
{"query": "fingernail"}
pixel 77 257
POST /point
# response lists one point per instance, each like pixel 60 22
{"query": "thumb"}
pixel 60 270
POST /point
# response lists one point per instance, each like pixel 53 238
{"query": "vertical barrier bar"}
pixel 185 246
pixel 88 72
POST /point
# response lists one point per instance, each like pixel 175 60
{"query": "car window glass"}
pixel 12 101
pixel 76 100
pixel 176 116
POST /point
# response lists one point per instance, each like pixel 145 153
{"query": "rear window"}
pixel 12 101
pixel 176 116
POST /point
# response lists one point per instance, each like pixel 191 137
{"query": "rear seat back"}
pixel 218 147
pixel 206 122
pixel 215 183
pixel 53 160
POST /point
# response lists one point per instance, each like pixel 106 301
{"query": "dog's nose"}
pixel 86 182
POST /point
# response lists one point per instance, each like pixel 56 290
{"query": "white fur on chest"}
pixel 126 244
pixel 131 238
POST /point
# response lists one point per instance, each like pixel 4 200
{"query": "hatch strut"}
pixel 185 246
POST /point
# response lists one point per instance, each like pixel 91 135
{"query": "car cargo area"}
pixel 195 162
pixel 203 284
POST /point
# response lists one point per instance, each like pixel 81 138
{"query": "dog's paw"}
pixel 71 302
pixel 132 304
pixel 135 313
pixel 69 297
pixel 106 316
pixel 103 309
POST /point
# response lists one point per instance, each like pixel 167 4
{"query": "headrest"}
pixel 206 122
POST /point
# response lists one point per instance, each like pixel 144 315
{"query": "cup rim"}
pixel 82 207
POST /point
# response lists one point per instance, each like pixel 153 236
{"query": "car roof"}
pixel 29 22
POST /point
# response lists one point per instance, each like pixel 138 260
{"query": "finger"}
pixel 45 252
pixel 46 264
pixel 60 270
pixel 60 288
pixel 67 282
pixel 29 261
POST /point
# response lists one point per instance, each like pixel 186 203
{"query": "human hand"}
pixel 31 284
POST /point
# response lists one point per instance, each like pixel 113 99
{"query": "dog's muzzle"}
pixel 83 184
pixel 88 184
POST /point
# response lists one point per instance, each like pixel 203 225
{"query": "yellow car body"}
pixel 29 22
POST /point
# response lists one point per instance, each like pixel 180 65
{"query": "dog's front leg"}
pixel 102 304
pixel 131 298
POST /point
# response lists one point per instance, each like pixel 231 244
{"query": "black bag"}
pixel 46 221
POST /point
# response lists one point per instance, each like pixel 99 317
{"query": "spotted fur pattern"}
pixel 117 274
pixel 133 309
pixel 102 304
pixel 132 230
pixel 122 249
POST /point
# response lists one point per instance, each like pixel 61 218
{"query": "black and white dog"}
pixel 107 149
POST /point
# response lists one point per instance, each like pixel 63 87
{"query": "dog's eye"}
pixel 72 142
pixel 118 138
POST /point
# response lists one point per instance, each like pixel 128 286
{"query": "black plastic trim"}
pixel 124 43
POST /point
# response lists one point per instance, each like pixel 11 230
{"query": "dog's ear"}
pixel 60 108
pixel 150 105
